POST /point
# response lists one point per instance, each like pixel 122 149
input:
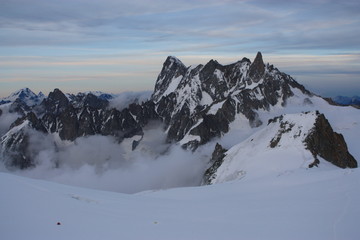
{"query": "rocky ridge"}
pixel 198 103
pixel 70 118
pixel 195 103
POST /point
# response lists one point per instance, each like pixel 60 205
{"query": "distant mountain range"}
pixel 346 101
pixel 25 95
pixel 197 105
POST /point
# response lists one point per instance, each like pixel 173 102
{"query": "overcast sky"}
pixel 116 45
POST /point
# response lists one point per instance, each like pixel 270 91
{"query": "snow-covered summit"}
pixel 198 103
pixel 25 95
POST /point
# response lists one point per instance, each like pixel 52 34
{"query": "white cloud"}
pixel 124 99
pixel 6 118
pixel 100 162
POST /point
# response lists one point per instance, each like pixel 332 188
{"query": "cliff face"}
pixel 324 142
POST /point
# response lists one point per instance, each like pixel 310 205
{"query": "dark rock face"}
pixel 242 87
pixel 257 68
pixel 215 124
pixel 172 68
pixel 56 102
pixel 34 122
pixel 19 106
pixel 16 144
pixel 84 115
pixel 89 116
pixel 95 102
pixel 324 142
pixel 89 100
pixel 217 159
pixel 144 112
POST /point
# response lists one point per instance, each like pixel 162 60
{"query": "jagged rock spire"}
pixel 257 68
pixel 56 102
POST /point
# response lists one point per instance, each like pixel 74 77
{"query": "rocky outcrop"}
pixel 216 160
pixel 320 140
pixel 324 142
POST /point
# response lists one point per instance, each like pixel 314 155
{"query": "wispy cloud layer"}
pixel 69 34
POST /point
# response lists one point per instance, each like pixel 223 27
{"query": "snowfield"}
pixel 317 203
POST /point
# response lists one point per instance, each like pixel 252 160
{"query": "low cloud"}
pixel 6 118
pixel 100 162
pixel 123 100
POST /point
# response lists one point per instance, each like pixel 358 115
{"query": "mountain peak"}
pixel 172 69
pixel 172 60
pixel 257 68
pixel 25 95
pixel 56 101
pixel 258 58
pixel 57 94
pixel 21 93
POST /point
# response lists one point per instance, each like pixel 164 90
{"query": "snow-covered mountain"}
pixel 25 95
pixel 198 103
pixel 195 105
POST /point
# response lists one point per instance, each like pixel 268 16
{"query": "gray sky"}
pixel 115 45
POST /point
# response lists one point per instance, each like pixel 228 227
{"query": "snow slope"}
pixel 255 156
pixel 317 203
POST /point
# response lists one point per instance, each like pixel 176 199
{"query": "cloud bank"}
pixel 123 100
pixel 6 118
pixel 100 162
